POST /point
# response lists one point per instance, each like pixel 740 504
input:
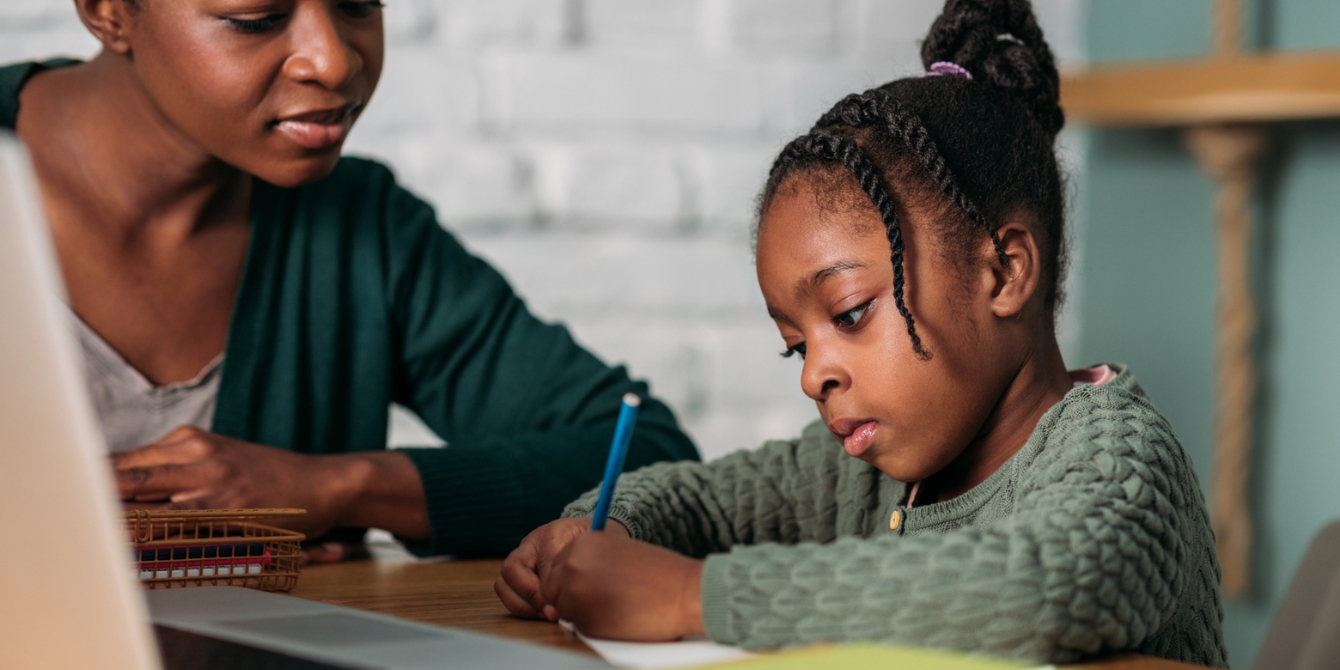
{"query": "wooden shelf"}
pixel 1247 88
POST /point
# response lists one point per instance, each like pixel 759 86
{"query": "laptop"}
pixel 69 596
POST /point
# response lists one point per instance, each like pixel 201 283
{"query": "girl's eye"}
pixel 360 10
pixel 851 317
pixel 795 349
pixel 253 26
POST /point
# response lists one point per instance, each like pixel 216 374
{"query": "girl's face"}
pixel 270 87
pixel 826 275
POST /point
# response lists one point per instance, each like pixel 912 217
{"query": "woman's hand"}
pixel 518 585
pixel 195 469
pixel 620 589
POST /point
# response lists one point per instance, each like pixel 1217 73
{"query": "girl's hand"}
pixel 620 589
pixel 518 585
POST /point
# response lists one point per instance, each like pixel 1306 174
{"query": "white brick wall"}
pixel 605 155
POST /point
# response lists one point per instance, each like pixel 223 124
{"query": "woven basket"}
pixel 214 548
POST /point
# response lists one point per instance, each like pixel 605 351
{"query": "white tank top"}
pixel 132 410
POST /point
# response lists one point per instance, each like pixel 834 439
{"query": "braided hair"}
pixel 976 150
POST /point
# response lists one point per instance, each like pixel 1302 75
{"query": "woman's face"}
pixel 825 271
pixel 270 87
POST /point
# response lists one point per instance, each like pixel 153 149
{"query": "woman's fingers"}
pixel 181 446
pixel 328 552
pixel 161 482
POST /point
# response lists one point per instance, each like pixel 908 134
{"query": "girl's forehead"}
pixel 800 242
pixel 804 223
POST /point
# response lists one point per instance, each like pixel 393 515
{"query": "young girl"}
pixel 910 250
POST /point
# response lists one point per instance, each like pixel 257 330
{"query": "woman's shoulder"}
pixel 12 78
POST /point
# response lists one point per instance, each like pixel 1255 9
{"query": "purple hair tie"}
pixel 947 69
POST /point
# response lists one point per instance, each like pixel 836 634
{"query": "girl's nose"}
pixel 323 55
pixel 822 374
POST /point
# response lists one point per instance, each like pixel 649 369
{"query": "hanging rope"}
pixel 1227 33
pixel 1229 154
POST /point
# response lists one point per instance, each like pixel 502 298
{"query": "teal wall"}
pixel 1148 282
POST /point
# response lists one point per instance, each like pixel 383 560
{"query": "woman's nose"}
pixel 322 55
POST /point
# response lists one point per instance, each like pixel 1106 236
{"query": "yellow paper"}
pixel 874 657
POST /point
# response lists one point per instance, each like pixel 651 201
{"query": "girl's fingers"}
pixel 514 603
pixel 552 584
pixel 550 549
pixel 521 579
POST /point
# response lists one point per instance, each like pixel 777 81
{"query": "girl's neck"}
pixel 1039 384
pixel 107 157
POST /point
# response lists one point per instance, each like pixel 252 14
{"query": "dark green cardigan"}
pixel 353 296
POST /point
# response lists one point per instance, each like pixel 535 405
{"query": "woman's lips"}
pixel 318 130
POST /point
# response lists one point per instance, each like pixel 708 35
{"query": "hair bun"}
pixel 1000 43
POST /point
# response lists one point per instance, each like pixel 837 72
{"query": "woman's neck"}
pixel 1040 383
pixel 106 156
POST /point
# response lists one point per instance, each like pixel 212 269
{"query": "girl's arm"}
pixel 1108 545
pixel 785 491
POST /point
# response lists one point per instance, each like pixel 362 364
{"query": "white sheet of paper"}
pixel 690 653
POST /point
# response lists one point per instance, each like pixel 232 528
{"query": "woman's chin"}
pixel 297 172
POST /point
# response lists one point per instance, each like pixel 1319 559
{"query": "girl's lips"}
pixel 859 439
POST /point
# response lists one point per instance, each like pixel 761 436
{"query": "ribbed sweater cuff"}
pixel 716 599
pixel 474 501
pixel 619 511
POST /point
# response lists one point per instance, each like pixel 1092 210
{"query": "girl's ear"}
pixel 1013 286
pixel 108 20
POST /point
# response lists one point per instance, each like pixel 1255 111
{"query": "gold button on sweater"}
pixel 1092 539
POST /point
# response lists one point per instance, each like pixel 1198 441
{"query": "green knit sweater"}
pixel 353 297
pixel 1092 539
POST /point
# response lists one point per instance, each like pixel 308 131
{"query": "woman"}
pixel 227 270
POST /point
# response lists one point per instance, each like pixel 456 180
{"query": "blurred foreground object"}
pixel 1302 636
pixel 1224 102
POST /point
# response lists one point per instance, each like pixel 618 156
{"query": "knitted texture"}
pixel 1092 539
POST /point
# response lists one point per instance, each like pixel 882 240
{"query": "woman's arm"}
pixel 527 413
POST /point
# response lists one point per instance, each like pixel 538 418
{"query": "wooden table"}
pixel 460 594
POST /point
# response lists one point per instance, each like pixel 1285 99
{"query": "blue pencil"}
pixel 623 434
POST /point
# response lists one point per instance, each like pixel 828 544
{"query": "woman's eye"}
pixel 795 349
pixel 361 10
pixel 851 317
pixel 260 25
